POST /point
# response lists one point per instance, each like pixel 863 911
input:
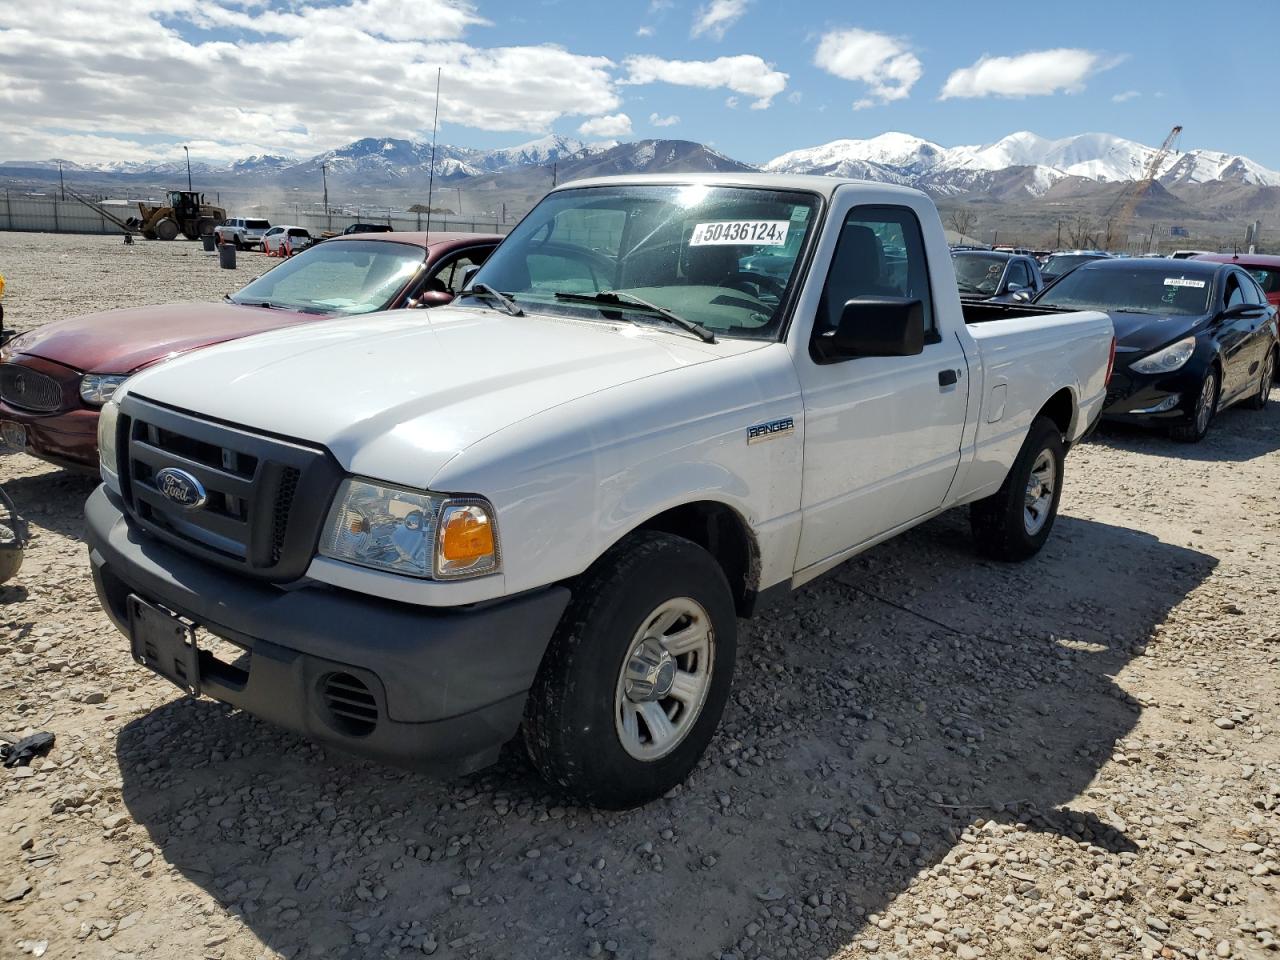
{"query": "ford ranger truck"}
pixel 541 510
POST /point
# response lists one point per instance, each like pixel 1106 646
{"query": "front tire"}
pixel 1206 406
pixel 1015 521
pixel 166 229
pixel 635 679
pixel 1259 400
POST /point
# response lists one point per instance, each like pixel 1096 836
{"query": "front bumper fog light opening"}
pixel 1168 403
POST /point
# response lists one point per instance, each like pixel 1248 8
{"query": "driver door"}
pixel 882 434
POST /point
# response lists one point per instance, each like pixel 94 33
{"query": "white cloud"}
pixel 82 80
pixel 614 125
pixel 1127 95
pixel 746 74
pixel 884 63
pixel 795 96
pixel 717 17
pixel 660 121
pixel 645 31
pixel 1039 73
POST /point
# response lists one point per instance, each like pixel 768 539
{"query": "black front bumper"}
pixel 1130 391
pixel 445 687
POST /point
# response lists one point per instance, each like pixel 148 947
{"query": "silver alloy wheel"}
pixel 665 679
pixel 1204 405
pixel 1039 497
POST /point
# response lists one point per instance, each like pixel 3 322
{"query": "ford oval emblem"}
pixel 181 487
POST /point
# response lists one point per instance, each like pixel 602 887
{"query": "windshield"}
pixel 694 250
pixel 257 225
pixel 978 272
pixel 1170 292
pixel 1064 263
pixel 1268 279
pixel 337 276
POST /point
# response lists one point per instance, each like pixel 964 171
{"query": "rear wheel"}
pixel 1014 522
pixel 1259 400
pixel 204 227
pixel 636 676
pixel 166 229
pixel 1194 430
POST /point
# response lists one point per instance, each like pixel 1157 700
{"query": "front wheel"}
pixel 1206 406
pixel 1259 400
pixel 635 679
pixel 1014 522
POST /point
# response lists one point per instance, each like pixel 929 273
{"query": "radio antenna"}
pixel 435 126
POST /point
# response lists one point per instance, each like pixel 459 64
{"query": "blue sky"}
pixel 103 80
pixel 1166 54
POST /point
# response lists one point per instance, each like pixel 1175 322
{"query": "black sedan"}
pixel 1191 338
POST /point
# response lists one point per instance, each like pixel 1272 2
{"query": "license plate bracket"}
pixel 165 644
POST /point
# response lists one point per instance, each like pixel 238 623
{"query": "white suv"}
pixel 242 232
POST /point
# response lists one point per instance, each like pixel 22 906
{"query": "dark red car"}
pixel 1265 269
pixel 55 379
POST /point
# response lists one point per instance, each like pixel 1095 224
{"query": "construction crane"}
pixel 1129 199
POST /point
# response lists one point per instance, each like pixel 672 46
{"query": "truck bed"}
pixel 980 311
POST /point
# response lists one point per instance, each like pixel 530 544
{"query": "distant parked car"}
pixel 286 237
pixel 1263 268
pixel 1192 338
pixel 1063 262
pixel 242 231
pixel 54 380
pixel 366 228
pixel 992 275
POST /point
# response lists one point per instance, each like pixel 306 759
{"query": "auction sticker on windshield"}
pixel 1183 282
pixel 765 233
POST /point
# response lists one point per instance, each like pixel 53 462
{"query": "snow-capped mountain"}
pixel 1039 162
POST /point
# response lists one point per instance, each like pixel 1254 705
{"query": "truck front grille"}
pixel 264 498
pixel 29 389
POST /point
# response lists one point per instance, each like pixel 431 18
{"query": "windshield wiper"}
pixel 506 303
pixel 255 303
pixel 627 300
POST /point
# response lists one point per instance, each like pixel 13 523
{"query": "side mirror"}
pixel 1022 296
pixel 1243 310
pixel 432 298
pixel 874 327
pixel 1014 288
pixel 468 274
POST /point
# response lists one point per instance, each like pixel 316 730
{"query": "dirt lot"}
pixel 926 754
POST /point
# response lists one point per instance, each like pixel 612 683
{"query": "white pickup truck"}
pixel 543 508
pixel 243 232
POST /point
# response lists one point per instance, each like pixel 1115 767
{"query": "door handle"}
pixel 947 378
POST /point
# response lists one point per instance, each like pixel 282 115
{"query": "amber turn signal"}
pixel 466 536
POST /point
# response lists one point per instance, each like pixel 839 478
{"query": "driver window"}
pixel 451 275
pixel 1018 274
pixel 1235 295
pixel 880 253
pixel 1249 290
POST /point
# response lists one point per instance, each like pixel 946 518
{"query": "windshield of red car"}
pixel 1268 279
pixel 337 276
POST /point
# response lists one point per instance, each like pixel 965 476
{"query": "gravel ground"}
pixel 926 754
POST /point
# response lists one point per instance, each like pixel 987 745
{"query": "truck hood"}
pixel 396 395
pixel 122 341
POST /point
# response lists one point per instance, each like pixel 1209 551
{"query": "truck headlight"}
pixel 1167 360
pixel 411 532
pixel 97 388
pixel 107 432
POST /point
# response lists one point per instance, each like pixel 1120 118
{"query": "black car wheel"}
pixel 1193 431
pixel 1259 400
